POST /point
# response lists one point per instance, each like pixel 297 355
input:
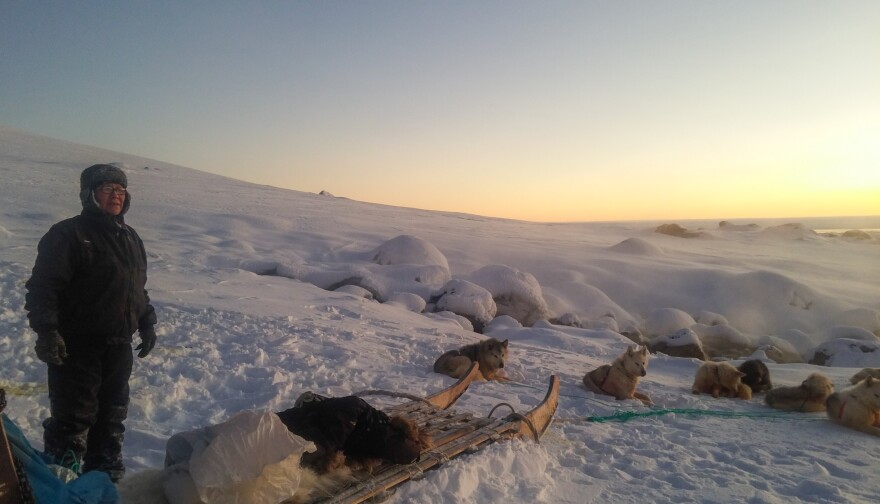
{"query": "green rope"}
pixel 627 415
pixel 624 416
pixel 74 465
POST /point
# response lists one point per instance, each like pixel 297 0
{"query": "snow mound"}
pixel 667 321
pixel 637 246
pixel 865 318
pixel 407 301
pixel 711 318
pixel 516 293
pixel 407 249
pixel 845 352
pixel 468 300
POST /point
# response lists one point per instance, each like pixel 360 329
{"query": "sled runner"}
pixel 447 397
pixel 453 434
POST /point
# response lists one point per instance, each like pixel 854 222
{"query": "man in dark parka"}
pixel 85 299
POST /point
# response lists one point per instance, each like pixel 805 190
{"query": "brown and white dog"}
pixel 857 407
pixel 809 396
pixel 619 379
pixel 720 379
pixel 864 373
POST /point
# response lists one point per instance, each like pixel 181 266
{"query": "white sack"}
pixel 250 459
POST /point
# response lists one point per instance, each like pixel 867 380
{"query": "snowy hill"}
pixel 263 293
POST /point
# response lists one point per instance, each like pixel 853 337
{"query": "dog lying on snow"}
pixel 619 379
pixel 490 353
pixel 721 379
pixel 857 407
pixel 864 373
pixel 757 376
pixel 809 396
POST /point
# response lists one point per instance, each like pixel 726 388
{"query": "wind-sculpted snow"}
pixel 249 282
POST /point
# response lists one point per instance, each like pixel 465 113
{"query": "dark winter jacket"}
pixel 350 425
pixel 88 281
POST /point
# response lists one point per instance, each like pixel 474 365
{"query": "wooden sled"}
pixel 453 434
pixel 10 489
pixel 447 397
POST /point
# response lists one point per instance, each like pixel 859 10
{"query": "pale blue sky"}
pixel 554 111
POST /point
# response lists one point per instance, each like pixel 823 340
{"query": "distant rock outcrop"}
pixel 794 230
pixel 856 234
pixel 677 231
pixel 729 226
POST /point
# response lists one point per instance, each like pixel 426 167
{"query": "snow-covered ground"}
pixel 239 274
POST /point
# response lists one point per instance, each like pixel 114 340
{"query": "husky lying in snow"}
pixel 857 407
pixel 757 376
pixel 490 353
pixel 808 397
pixel 720 379
pixel 619 379
pixel 864 373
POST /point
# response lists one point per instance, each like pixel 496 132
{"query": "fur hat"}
pixel 95 175
pixel 98 174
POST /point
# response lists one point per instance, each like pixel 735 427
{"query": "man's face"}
pixel 110 198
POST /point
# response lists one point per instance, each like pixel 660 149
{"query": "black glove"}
pixel 50 348
pixel 148 341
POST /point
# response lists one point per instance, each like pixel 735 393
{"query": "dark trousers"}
pixel 88 401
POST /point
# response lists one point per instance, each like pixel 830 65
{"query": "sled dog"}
pixel 345 471
pixel 864 373
pixel 490 353
pixel 809 396
pixel 857 407
pixel 720 379
pixel 757 376
pixel 619 379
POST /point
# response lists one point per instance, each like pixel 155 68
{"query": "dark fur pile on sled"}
pixel 348 431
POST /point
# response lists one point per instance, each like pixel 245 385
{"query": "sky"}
pixel 543 111
pixel 244 281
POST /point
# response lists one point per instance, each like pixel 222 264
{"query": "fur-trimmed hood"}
pixel 94 176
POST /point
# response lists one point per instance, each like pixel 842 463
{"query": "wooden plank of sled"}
pixel 397 474
pixel 433 418
pixel 459 430
pixel 421 413
pixel 462 439
pixel 9 489
pixel 437 425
